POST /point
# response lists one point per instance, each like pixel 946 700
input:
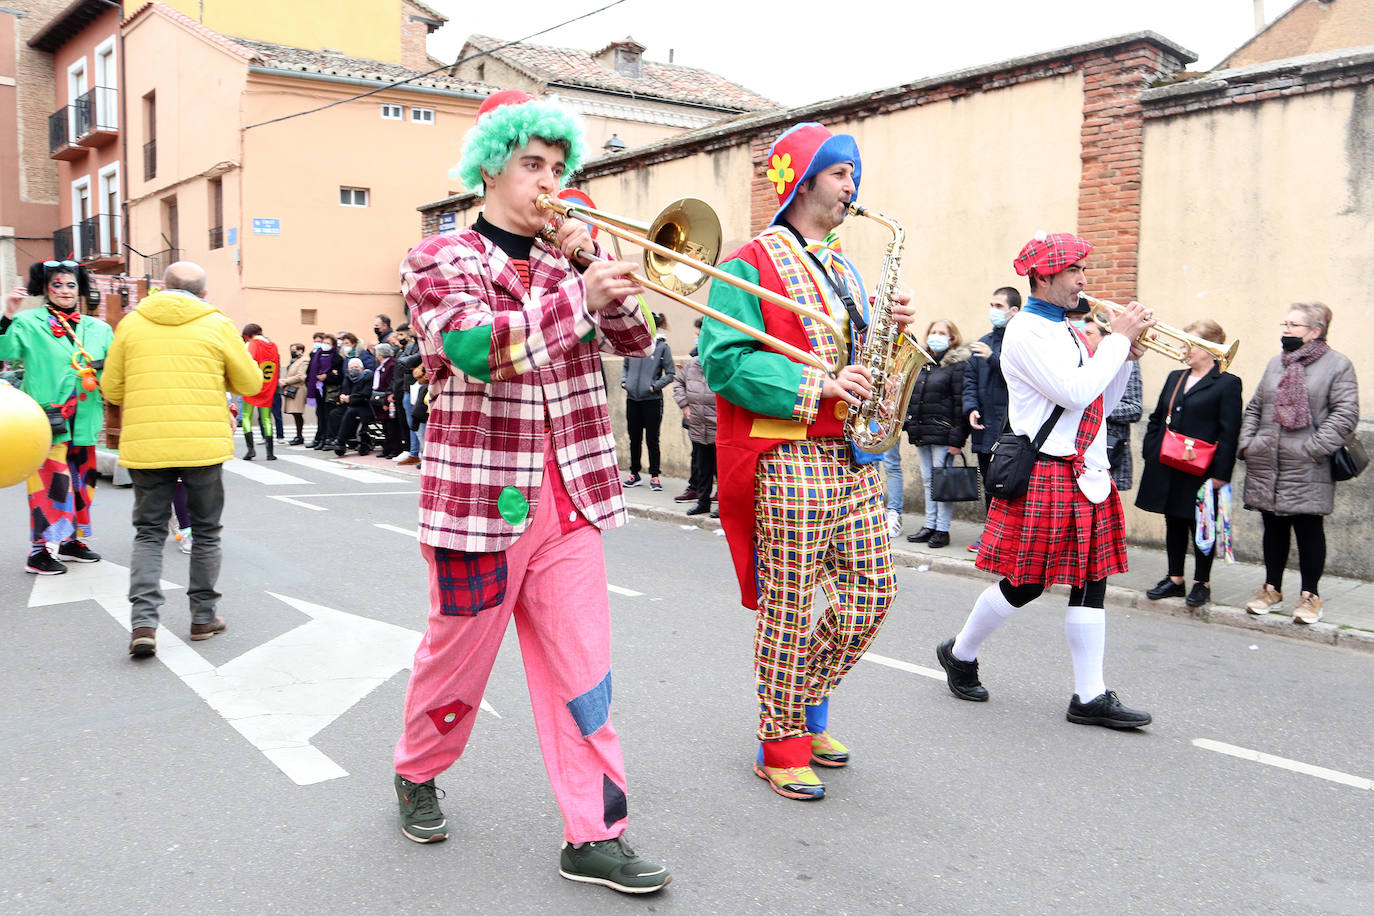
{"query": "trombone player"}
pixel 800 507
pixel 1068 526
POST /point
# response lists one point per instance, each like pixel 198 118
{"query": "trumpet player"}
pixel 519 480
pixel 1068 526
pixel 799 506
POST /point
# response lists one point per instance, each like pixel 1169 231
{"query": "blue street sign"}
pixel 448 222
pixel 266 226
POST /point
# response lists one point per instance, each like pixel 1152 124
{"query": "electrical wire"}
pixel 450 67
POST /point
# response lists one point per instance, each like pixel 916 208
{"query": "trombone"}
pixel 1102 311
pixel 681 246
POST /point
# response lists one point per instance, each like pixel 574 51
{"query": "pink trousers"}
pixel 553 580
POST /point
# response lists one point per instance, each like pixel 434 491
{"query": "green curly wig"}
pixel 488 146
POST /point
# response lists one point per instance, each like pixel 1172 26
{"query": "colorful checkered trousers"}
pixel 60 494
pixel 819 524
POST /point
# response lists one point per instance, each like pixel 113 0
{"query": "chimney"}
pixel 670 55
pixel 1259 16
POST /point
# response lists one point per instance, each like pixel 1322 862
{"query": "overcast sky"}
pixel 800 51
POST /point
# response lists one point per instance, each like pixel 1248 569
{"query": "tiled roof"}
pixel 670 82
pixel 429 11
pixel 187 22
pixel 282 57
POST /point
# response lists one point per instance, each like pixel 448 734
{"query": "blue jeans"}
pixel 892 464
pixel 414 439
pixel 938 515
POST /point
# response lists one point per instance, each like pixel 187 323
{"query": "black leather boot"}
pixel 252 452
pixel 270 444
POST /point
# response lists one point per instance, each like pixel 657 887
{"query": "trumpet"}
pixel 1162 338
pixel 681 246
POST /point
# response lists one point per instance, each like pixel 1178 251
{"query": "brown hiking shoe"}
pixel 143 642
pixel 1309 609
pixel 206 630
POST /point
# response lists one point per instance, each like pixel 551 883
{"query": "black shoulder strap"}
pixel 1044 433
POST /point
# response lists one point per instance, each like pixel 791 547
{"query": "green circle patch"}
pixel 513 506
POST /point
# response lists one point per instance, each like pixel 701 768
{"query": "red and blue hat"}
pixel 1048 254
pixel 804 151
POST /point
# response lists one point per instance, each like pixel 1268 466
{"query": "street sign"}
pixel 263 225
pixel 448 222
pixel 232 236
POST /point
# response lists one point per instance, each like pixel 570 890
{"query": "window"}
pixel 353 197
pixel 393 112
pixel 308 317
pixel 150 136
pixel 216 201
pixel 422 115
pixel 627 62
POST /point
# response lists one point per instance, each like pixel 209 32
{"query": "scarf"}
pixel 1212 512
pixel 1291 409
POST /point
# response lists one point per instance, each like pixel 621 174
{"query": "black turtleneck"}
pixel 515 247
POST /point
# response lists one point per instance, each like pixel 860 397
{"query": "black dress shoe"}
pixel 699 509
pixel 1106 710
pixel 296 441
pixel 1199 596
pixel 1166 588
pixel 921 536
pixel 939 539
pixel 961 676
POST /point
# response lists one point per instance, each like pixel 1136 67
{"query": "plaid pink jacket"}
pixel 486 436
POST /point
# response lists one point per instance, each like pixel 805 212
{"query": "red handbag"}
pixel 1184 453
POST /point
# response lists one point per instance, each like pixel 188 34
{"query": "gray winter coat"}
pixel 690 390
pixel 645 377
pixel 1288 472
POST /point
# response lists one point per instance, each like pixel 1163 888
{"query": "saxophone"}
pixel 890 355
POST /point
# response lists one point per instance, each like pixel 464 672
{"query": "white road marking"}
pixel 624 592
pixel 280 694
pixel 297 502
pixel 903 666
pixel 406 531
pixel 262 474
pixel 1296 766
pixel 361 475
pixel 368 493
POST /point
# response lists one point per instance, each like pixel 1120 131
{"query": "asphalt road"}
pixel 145 787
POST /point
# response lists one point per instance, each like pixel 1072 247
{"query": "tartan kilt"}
pixel 1053 533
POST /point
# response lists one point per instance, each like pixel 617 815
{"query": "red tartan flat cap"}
pixel 1049 254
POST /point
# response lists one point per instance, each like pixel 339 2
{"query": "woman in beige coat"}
pixel 294 377
pixel 1306 406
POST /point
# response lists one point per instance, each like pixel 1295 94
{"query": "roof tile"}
pixel 284 57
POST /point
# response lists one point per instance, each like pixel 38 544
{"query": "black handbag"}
pixel 954 484
pixel 1349 461
pixel 1013 458
pixel 290 391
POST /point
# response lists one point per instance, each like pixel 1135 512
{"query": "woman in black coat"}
pixel 1207 405
pixel 935 420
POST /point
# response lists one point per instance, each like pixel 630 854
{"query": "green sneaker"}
pixel 612 863
pixel 421 819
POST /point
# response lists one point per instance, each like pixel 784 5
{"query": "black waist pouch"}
pixel 1013 458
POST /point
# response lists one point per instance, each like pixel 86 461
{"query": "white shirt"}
pixel 1046 364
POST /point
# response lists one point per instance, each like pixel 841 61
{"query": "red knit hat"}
pixel 504 97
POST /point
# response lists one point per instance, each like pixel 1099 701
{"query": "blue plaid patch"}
pixel 469 582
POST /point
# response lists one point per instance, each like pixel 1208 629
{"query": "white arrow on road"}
pixel 280 694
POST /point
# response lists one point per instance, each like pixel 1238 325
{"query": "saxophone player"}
pixel 800 507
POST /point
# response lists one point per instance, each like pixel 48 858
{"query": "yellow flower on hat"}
pixel 781 172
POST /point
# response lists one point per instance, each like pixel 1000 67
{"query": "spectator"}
pixel 1306 406
pixel 356 401
pixel 52 342
pixel 348 342
pixel 1122 416
pixel 292 386
pixel 381 326
pixel 259 403
pixel 168 366
pixel 419 412
pixel 935 420
pixel 384 402
pixel 1203 402
pixel 985 390
pixel 893 483
pixel 407 359
pixel 326 381
pixel 644 378
pixel 698 404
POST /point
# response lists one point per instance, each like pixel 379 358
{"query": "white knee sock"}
pixel 990 611
pixel 1086 628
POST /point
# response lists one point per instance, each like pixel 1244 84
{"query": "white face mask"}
pixel 938 343
pixel 319 345
pixel 998 317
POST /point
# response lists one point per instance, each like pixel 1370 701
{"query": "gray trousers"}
pixel 153 489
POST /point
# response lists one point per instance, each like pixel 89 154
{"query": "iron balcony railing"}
pixel 156 264
pixel 91 239
pixel 63 243
pixel 59 129
pixel 216 237
pixel 97 110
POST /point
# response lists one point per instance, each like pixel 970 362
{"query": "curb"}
pixel 1281 625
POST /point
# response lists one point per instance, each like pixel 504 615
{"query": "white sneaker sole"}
pixel 607 882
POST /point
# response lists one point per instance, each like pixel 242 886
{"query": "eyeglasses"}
pixel 68 264
pixel 1288 325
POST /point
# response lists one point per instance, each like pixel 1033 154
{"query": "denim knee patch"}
pixel 592 709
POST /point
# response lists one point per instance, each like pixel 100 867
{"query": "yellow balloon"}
pixel 25 433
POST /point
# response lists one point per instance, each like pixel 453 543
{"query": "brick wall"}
pixel 36 99
pixel 413 34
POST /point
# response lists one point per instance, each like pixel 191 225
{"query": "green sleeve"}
pixel 736 367
pixel 470 350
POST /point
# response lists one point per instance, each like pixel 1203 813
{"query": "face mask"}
pixel 998 317
pixel 938 343
pixel 354 373
pixel 318 345
pixel 326 347
pixel 1079 323
pixel 1291 343
pixel 347 351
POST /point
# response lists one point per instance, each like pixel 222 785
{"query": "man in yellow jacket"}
pixel 170 364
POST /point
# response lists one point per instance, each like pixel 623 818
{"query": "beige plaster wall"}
pixel 1246 209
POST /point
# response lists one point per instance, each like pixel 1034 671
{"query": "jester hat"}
pixel 507 121
pixel 804 151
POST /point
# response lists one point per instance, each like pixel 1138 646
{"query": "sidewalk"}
pixel 1348 614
